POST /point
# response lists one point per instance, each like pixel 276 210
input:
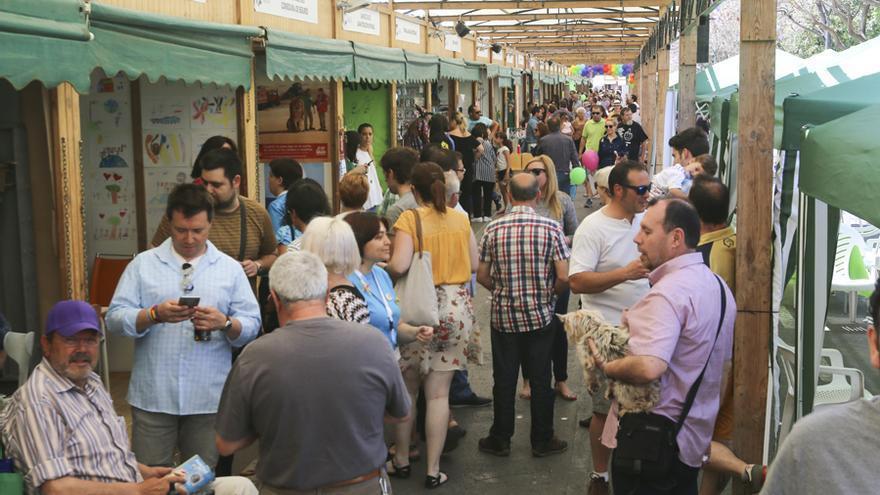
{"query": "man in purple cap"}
pixel 60 427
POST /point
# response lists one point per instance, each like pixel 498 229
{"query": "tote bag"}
pixel 418 298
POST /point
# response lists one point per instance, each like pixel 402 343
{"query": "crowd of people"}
pixel 339 343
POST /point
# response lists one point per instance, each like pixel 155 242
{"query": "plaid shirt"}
pixel 521 248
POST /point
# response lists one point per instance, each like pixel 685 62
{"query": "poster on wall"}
pixel 294 120
pixel 407 31
pixel 158 183
pixel 362 21
pixel 108 167
pixel 212 110
pixel 300 10
pixel 452 42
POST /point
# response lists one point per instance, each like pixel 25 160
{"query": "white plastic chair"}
pixel 845 385
pixel 848 240
pixel 20 347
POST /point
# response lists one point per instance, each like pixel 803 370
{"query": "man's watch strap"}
pixel 228 326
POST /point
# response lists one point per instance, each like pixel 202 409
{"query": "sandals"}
pixel 432 482
pixel 414 454
pixel 395 471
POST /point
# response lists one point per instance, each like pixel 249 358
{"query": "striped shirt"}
pixel 484 168
pixel 172 373
pixel 521 248
pixel 54 429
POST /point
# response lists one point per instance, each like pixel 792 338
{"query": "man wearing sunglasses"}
pixel 186 305
pixel 594 129
pixel 607 271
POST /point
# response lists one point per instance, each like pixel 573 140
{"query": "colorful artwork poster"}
pixel 168 112
pixel 158 183
pixel 213 109
pixel 163 148
pixel 113 224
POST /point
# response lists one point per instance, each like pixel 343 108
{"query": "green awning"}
pixel 505 77
pixel 421 67
pixel 377 63
pixel 291 55
pixel 493 70
pixel 453 68
pixel 157 46
pixel 839 166
pixel 44 41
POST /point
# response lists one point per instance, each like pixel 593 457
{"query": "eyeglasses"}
pixel 537 171
pixel 610 126
pixel 639 190
pixel 595 113
pixel 74 342
pixel 186 282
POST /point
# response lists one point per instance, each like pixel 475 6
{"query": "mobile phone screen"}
pixel 188 301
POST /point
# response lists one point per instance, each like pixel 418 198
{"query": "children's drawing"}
pixel 113 156
pixel 164 149
pixel 213 111
pixel 166 113
pixel 113 225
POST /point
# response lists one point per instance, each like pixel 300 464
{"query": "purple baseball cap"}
pixel 70 317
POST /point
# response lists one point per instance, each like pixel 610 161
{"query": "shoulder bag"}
pixel 646 445
pixel 415 290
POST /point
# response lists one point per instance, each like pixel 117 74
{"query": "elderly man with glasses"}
pixel 607 271
pixel 187 305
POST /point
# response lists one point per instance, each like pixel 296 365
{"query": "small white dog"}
pixel 612 342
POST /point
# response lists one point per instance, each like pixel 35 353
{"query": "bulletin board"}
pixel 367 102
pixel 175 120
pixel 108 168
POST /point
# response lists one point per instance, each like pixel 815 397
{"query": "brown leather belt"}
pixel 359 479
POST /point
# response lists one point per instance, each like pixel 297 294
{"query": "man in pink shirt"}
pixel 673 337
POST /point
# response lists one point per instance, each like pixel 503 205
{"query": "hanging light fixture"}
pixel 461 29
pixel 496 47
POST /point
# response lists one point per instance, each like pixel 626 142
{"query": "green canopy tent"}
pixel 454 68
pixel 377 63
pixel 421 67
pixel 806 229
pixel 290 56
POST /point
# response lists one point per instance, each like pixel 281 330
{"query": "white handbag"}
pixel 418 298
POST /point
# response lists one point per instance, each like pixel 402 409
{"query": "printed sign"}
pixel 362 21
pixel 482 52
pixel 452 42
pixel 510 58
pixel 408 32
pixel 300 10
pixel 520 59
pixel 297 151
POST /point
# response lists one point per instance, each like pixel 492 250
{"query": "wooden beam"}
pixel 574 37
pixel 65 140
pixel 525 17
pixel 687 80
pixel 561 28
pixel 660 114
pixel 532 4
pixel 247 140
pixel 754 227
pixel 140 194
pixel 574 43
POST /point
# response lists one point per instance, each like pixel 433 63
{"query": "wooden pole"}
pixel 140 180
pixel 453 98
pixel 337 132
pixel 754 227
pixel 687 80
pixel 660 114
pixel 67 170
pixel 247 140
pixel 429 97
pixel 650 108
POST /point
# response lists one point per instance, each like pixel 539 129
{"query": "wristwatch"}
pixel 228 326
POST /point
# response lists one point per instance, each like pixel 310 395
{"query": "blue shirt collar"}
pixel 166 255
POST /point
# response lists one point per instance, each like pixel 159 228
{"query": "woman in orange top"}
pixel 447 236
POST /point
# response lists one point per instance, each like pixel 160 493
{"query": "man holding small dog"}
pixel 681 333
pixel 607 272
pixel 523 257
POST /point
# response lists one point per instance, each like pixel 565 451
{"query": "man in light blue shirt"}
pixel 475 116
pixel 531 126
pixel 183 349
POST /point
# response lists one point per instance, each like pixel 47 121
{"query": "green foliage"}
pixel 849 22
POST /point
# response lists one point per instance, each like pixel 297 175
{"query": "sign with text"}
pixel 300 10
pixel 408 32
pixel 452 42
pixel 520 59
pixel 483 52
pixel 297 151
pixel 510 58
pixel 362 21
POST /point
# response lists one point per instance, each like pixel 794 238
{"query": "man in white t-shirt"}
pixel 607 271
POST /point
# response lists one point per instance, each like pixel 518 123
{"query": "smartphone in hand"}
pixel 188 301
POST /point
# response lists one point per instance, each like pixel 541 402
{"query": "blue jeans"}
pixel 563 183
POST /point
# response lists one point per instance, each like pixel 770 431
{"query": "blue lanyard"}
pixel 385 298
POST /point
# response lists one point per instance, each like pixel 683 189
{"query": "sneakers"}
pixel 598 485
pixel 492 445
pixel 550 447
pixel 589 203
pixel 473 401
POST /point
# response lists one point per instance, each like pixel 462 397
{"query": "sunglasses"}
pixel 610 126
pixel 639 190
pixel 537 171
pixel 595 113
pixel 186 282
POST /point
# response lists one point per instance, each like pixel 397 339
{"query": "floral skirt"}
pixel 456 340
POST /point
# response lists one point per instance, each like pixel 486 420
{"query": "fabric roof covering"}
pixel 157 46
pixel 378 63
pixel 723 77
pixel 44 42
pixel 421 67
pixel 825 105
pixel 290 55
pixel 453 68
pixel 838 166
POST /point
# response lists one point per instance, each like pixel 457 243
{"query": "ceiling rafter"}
pixel 533 4
pixel 544 17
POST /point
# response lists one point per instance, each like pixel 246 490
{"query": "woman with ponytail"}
pixel 447 236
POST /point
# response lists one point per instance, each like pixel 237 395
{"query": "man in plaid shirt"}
pixel 524 262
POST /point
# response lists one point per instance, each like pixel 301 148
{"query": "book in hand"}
pixel 197 474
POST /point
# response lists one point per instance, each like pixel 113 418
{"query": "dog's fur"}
pixel 612 342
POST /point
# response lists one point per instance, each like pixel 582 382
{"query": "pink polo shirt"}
pixel 676 322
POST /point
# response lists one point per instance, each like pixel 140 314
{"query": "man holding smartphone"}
pixel 169 299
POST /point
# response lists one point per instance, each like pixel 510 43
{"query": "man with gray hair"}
pixel 523 257
pixel 310 440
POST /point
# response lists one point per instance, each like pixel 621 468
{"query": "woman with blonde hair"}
pixel 333 240
pixel 446 234
pixel 556 205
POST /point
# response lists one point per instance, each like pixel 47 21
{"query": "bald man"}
pixel 523 257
